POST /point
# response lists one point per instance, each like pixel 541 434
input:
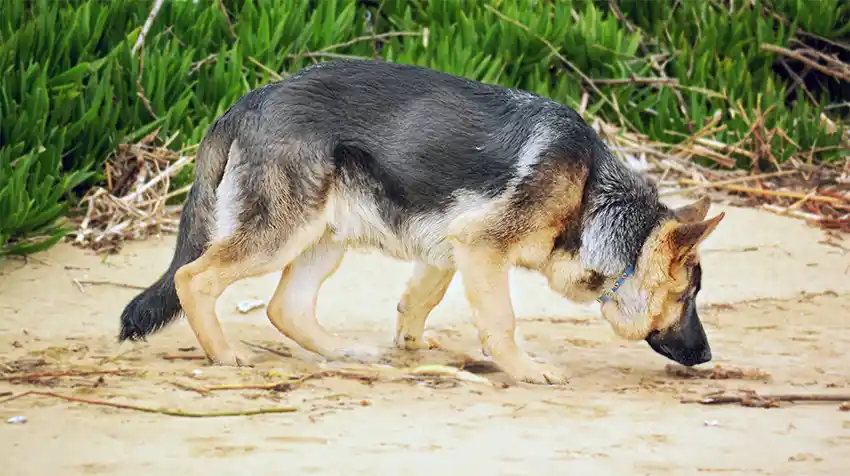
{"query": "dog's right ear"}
pixel 693 212
pixel 683 238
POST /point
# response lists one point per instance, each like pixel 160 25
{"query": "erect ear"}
pixel 685 237
pixel 693 212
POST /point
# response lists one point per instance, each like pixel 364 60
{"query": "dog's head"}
pixel 657 302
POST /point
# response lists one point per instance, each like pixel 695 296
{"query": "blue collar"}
pixel 606 296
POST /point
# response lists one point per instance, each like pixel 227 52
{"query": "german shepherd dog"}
pixel 453 174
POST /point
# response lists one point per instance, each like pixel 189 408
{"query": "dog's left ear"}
pixel 694 212
pixel 683 238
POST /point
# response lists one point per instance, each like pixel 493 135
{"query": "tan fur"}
pixel 487 243
pixel 693 212
pixel 292 308
pixel 663 273
pixel 425 289
pixel 200 283
pixel 485 278
pixel 567 276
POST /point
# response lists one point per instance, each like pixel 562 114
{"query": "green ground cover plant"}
pixel 74 85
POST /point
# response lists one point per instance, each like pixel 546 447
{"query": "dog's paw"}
pixel 231 358
pixel 411 342
pixel 545 374
pixel 540 373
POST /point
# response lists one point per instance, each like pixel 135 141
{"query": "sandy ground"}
pixel 775 298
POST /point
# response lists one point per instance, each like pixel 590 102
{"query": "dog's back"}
pixel 396 152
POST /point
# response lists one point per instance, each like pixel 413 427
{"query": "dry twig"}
pixel 268 349
pixel 25 377
pixel 161 411
pixel 749 398
pixel 227 19
pixel 183 386
pixel 91 282
pixel 811 57
pixel 716 373
pixel 147 26
pixel 133 205
pixel 183 357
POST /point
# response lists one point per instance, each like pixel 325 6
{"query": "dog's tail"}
pixel 158 305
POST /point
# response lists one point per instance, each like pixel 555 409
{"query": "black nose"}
pixel 675 348
pixel 690 359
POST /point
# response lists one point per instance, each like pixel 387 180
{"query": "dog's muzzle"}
pixel 687 344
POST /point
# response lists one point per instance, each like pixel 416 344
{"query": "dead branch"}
pixel 277 387
pixel 70 373
pixel 716 373
pixel 190 388
pixel 268 349
pixel 749 398
pixel 134 206
pixel 161 411
pixel 771 193
pixel 109 283
pixel 637 80
pixel 147 26
pixel 140 90
pixel 227 19
pixel 274 74
pixel 183 357
pixel 746 178
pixel 834 67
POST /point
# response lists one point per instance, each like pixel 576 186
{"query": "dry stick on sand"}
pixel 108 283
pixel 161 411
pixel 70 373
pixel 267 349
pixel 716 373
pixel 183 386
pixel 278 387
pixel 423 372
pixel 183 357
pixel 750 398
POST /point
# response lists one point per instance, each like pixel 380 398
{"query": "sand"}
pixel 775 298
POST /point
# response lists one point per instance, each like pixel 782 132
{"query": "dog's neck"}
pixel 621 210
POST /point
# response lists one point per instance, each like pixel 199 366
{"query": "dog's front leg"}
pixel 425 289
pixel 485 279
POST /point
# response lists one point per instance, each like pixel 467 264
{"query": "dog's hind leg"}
pixel 485 278
pixel 265 216
pixel 292 308
pixel 425 289
pixel 201 282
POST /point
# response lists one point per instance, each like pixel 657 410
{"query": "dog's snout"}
pixel 678 349
pixel 690 358
pixel 705 356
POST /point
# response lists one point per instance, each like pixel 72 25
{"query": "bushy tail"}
pixel 158 305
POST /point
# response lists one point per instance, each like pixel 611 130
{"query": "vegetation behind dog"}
pixel 76 85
